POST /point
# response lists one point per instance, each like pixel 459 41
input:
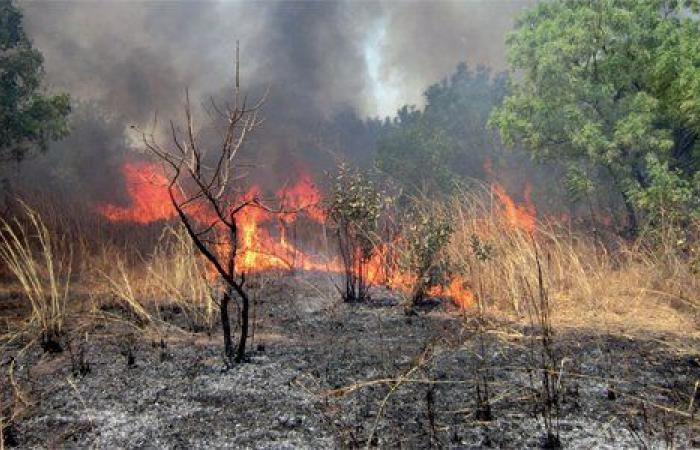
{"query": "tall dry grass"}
pixel 144 272
pixel 610 283
pixel 40 262
pixel 172 277
pixel 180 276
pixel 125 284
pixel 616 283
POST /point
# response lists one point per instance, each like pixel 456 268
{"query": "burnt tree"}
pixel 203 190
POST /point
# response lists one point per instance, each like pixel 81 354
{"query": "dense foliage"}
pixel 29 118
pixel 612 87
pixel 447 139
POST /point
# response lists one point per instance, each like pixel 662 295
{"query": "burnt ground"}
pixel 323 374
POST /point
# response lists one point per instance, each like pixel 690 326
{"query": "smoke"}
pixel 328 65
pixel 424 41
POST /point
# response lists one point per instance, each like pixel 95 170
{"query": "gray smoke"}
pixel 328 65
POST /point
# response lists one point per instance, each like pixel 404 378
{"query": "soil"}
pixel 323 374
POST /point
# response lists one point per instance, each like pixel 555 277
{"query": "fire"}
pixel 522 217
pixel 258 248
pixel 146 186
pixel 381 270
pixel 455 290
pixel 304 197
pixel 253 241
pixel 260 251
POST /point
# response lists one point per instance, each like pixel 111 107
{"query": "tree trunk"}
pixel 631 215
pixel 245 313
pixel 226 324
pixel 626 200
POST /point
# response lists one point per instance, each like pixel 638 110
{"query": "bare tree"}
pixel 203 192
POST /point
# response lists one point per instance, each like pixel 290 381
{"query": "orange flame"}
pixel 304 197
pixel 146 186
pixel 254 254
pixel 381 270
pixel 517 216
pixel 455 290
pixel 520 217
pixel 258 250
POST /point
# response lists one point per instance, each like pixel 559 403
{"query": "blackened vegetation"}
pixel 50 342
pixel 546 361
pixel 445 403
pixel 203 191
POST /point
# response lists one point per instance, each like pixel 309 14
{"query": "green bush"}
pixel 669 203
pixel 426 234
pixel 355 209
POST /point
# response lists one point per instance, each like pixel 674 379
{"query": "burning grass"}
pixel 592 283
pixel 487 263
pixel 488 272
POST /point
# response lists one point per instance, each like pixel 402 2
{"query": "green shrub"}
pixel 355 209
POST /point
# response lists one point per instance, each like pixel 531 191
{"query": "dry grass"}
pixel 179 276
pixel 615 286
pixel 123 284
pixel 40 261
pixel 629 289
pixel 50 259
pixel 171 277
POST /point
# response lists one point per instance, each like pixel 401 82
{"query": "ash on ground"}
pixel 323 374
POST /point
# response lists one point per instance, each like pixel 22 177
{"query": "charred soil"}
pixel 324 374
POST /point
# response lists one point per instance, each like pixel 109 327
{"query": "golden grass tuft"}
pixel 630 288
pixel 122 284
pixel 41 263
pixel 172 276
pixel 179 275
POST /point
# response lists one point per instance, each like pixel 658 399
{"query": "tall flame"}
pixel 522 217
pixel 146 186
pixel 258 250
pixel 302 196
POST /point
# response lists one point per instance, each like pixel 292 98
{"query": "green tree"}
pixel 671 202
pixel 29 118
pixel 448 138
pixel 605 83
